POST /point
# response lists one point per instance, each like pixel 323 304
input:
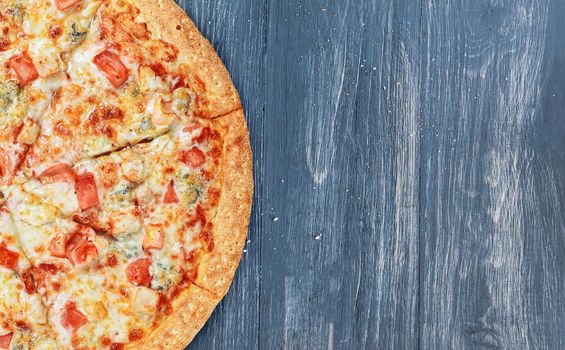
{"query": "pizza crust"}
pixel 167 21
pixel 232 217
pixel 194 306
pixel 191 311
pixel 216 270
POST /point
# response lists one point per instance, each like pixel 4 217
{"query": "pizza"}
pixel 125 175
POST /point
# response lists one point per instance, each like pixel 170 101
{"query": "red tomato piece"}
pixel 81 250
pixel 178 81
pixel 206 135
pixel 117 346
pixel 153 238
pixel 170 194
pixel 201 214
pixel 193 157
pixel 58 244
pixel 158 69
pixel 25 70
pixel 5 167
pixel 112 67
pixel 87 194
pixel 42 272
pixel 29 283
pixel 59 172
pixel 66 4
pixel 71 318
pixel 5 340
pixel 8 258
pixel 138 272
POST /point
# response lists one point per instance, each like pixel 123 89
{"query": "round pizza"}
pixel 125 175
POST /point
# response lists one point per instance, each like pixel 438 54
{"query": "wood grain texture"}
pixel 339 259
pixel 491 223
pixel 409 168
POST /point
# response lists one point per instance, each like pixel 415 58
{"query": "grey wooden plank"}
pixel 340 240
pixel 492 267
pixel 236 29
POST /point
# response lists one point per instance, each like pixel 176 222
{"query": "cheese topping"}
pixel 109 178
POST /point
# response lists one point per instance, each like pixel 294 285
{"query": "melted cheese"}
pixel 15 303
pixel 59 194
pixel 62 102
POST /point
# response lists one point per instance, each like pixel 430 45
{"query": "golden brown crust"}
pixel 191 311
pixel 216 270
pixel 166 20
pixel 194 306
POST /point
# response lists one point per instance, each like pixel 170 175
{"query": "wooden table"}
pixel 409 171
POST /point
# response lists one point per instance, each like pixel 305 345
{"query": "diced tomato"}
pixel 58 245
pixel 55 31
pixel 201 214
pixel 199 217
pixel 27 278
pixel 87 194
pixel 25 70
pixel 59 172
pixel 215 152
pixel 5 167
pixel 112 260
pixel 153 238
pixel 112 67
pixel 206 135
pixel 170 195
pixel 81 250
pixel 42 272
pixel 138 272
pixel 71 318
pixel 135 334
pixel 66 4
pixel 193 157
pixel 8 258
pixel 4 43
pixel 158 69
pixel 5 340
pixel 117 346
pixel 178 81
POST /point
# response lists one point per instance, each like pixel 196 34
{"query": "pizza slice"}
pixel 183 195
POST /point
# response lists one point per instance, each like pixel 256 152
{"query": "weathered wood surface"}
pixel 410 173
